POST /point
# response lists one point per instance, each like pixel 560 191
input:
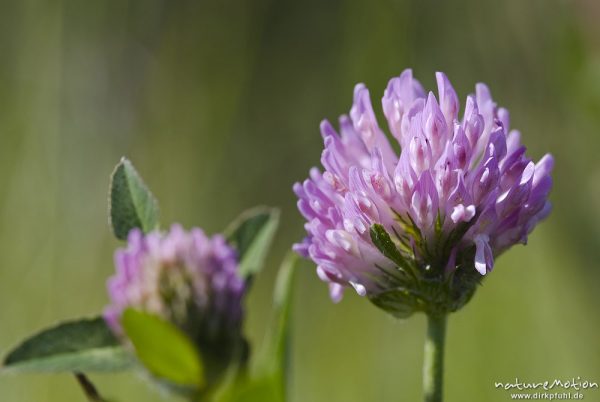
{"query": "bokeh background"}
pixel 218 104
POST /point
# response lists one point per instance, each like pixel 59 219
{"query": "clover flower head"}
pixel 184 277
pixel 416 232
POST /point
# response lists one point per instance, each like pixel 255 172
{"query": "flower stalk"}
pixel 88 388
pixel 433 358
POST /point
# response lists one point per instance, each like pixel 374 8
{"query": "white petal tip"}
pixel 481 268
pixel 360 289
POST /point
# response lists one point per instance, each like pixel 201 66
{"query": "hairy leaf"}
pixel 85 345
pixel 132 205
pixel 252 234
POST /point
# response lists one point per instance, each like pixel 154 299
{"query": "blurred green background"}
pixel 218 104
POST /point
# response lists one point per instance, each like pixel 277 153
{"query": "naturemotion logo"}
pixel 557 386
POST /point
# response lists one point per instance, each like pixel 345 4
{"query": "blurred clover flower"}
pixel 186 278
pixel 417 232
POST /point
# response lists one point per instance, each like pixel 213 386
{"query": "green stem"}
pixel 433 363
pixel 88 388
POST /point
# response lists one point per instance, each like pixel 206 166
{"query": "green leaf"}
pixel 163 348
pixel 272 361
pixel 132 205
pixel 86 345
pixel 252 234
pixel 267 380
pixel 263 389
